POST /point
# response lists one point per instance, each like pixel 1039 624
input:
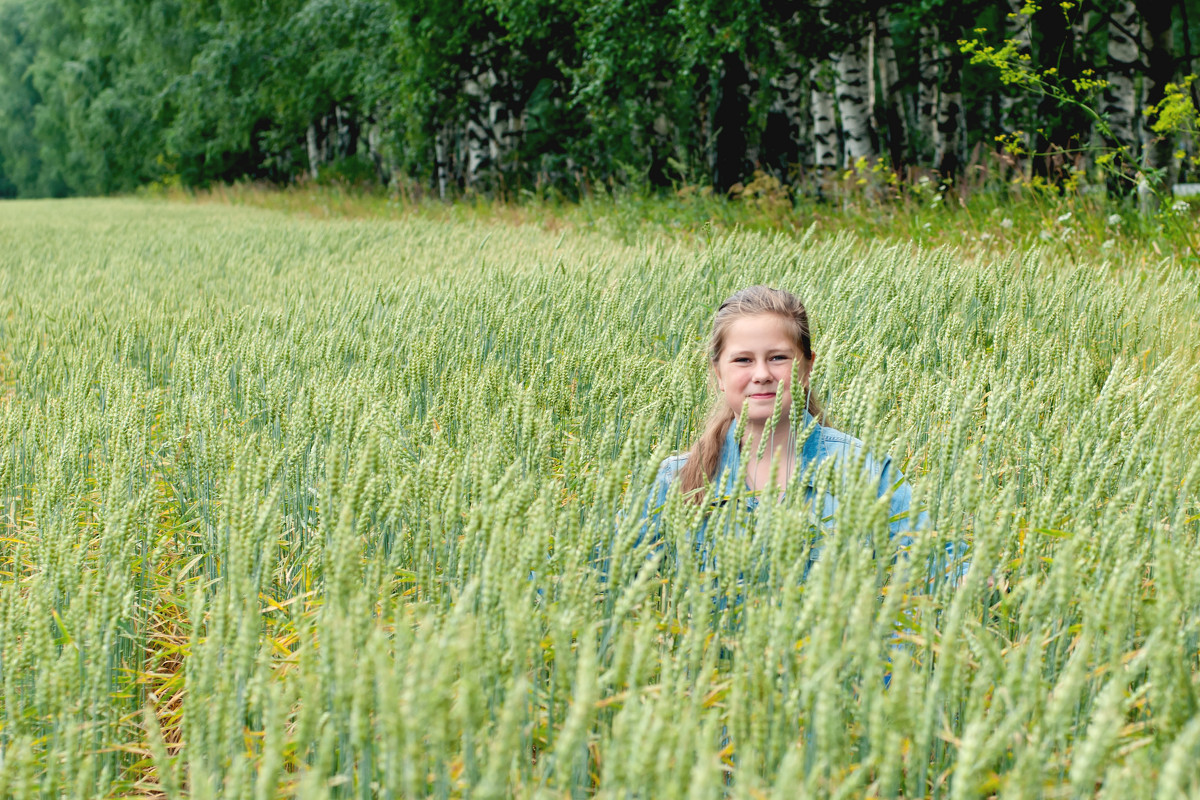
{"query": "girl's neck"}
pixel 753 436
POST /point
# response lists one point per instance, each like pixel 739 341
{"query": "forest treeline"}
pixel 495 96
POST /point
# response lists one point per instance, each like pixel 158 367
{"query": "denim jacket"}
pixel 821 444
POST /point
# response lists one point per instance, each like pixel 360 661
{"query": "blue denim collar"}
pixel 731 453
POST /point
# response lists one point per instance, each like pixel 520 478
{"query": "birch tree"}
pixel 443 148
pixel 824 122
pixel 927 89
pixel 787 124
pixel 1119 100
pixel 490 95
pixel 854 88
pixel 491 119
pixel 1157 147
pixel 947 135
pixel 890 115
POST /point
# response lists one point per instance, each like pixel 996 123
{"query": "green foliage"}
pixel 511 97
pixel 1173 115
pixel 19 167
pixel 355 171
pixel 1176 112
pixel 320 508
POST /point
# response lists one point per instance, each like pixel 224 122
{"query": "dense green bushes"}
pixel 500 96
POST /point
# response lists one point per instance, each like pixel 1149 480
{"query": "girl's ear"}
pixel 716 377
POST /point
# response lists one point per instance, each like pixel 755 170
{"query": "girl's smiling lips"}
pixel 762 395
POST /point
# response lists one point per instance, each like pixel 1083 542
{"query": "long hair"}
pixel 702 460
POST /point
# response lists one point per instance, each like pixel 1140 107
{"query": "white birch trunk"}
pixel 947 139
pixel 491 129
pixel 892 119
pixel 330 137
pixel 853 87
pixel 788 102
pixel 824 127
pixel 476 89
pixel 340 135
pixel 1119 102
pixel 1157 149
pixel 504 127
pixel 441 154
pixel 313 146
pixel 788 93
pixel 373 139
pixel 927 81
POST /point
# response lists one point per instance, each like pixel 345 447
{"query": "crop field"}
pixel 350 509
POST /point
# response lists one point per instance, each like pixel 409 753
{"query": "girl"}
pixel 760 339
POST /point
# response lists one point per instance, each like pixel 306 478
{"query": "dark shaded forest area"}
pixel 497 96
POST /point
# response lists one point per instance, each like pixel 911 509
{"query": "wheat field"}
pixel 325 508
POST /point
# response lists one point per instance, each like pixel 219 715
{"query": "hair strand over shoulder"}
pixel 705 453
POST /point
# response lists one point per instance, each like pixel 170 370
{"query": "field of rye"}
pixel 337 508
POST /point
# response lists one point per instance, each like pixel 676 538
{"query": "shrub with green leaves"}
pixel 351 509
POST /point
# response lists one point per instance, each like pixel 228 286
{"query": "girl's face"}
pixel 756 365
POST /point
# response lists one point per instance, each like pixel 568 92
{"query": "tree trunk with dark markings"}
pixel 948 133
pixel 890 115
pixel 824 125
pixel 1119 100
pixel 927 81
pixel 1157 149
pixel 854 99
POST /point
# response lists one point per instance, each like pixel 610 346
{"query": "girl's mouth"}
pixel 762 395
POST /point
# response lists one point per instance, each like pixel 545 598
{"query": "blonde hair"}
pixel 702 460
